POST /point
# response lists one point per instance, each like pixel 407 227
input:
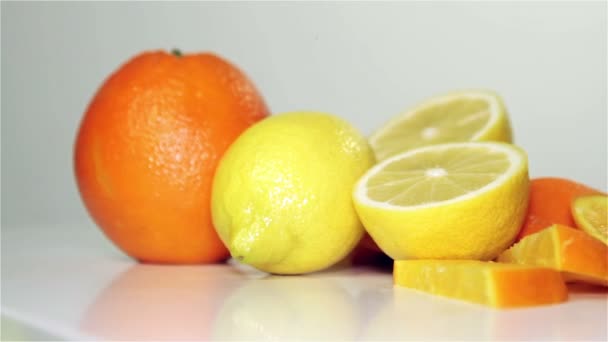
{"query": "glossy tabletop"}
pixel 70 283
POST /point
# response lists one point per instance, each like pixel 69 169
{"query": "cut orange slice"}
pixel 579 256
pixel 494 284
pixel 591 215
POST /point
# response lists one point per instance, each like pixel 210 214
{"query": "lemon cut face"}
pixel 449 201
pixel 476 115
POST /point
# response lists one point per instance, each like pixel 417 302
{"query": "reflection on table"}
pixel 223 302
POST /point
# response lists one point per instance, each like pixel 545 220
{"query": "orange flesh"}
pixel 488 283
pixel 579 256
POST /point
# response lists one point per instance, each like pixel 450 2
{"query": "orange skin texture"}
pixel 148 147
pixel 550 202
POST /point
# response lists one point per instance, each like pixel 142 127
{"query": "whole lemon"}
pixel 281 194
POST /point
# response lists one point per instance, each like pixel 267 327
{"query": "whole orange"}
pixel 148 147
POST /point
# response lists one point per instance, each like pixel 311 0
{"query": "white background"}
pixel 363 61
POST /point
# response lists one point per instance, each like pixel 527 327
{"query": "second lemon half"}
pixel 468 115
pixel 449 201
pixel 281 198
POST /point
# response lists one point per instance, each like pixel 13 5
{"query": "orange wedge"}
pixel 579 256
pixel 488 283
pixel 591 215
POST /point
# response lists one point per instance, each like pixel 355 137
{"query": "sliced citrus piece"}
pixel 579 256
pixel 488 283
pixel 591 215
pixel 474 115
pixel 449 201
pixel 551 203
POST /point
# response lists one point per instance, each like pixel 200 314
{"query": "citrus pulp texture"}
pixel 591 215
pixel 449 201
pixel 458 116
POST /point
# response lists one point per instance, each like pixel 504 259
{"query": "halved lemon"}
pixel 474 115
pixel 591 215
pixel 449 201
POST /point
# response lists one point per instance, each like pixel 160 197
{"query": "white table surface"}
pixel 70 283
